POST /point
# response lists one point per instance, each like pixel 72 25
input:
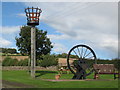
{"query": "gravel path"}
pixel 10 84
pixel 78 80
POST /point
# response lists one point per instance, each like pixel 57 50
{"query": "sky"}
pixel 68 24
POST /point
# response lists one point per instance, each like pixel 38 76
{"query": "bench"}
pixel 104 69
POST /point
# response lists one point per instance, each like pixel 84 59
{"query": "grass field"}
pixel 23 77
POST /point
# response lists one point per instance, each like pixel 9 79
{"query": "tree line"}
pixel 52 60
pixel 45 61
pixel 8 50
pixel 43 48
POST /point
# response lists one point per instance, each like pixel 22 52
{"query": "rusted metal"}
pixel 33 15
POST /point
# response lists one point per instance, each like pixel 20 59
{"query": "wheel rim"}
pixel 82 53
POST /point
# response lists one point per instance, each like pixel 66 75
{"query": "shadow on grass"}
pixel 44 72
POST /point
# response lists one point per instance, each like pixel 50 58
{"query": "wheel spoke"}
pixel 75 53
pixel 81 52
pixel 87 54
pixel 78 51
pixel 90 57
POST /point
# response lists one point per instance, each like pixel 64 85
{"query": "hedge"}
pixel 14 62
pixel 48 60
pixel 9 62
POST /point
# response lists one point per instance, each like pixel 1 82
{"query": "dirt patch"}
pixel 10 84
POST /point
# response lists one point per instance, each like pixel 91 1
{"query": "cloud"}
pixel 8 35
pixel 96 24
pixel 21 15
pixel 58 37
pixel 61 0
pixel 10 29
pixel 59 48
pixel 4 43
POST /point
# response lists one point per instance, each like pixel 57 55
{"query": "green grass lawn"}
pixel 24 77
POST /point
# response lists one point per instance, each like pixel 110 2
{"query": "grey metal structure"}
pixel 33 20
pixel 83 64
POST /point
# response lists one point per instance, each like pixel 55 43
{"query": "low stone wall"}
pixel 51 68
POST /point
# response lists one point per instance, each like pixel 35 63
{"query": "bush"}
pixel 116 63
pixel 48 60
pixel 9 62
pixel 23 62
pixel 14 62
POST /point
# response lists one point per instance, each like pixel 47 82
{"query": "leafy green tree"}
pixel 63 55
pixel 48 60
pixel 8 50
pixel 12 51
pixel 23 42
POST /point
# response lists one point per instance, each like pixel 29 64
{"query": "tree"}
pixel 23 42
pixel 63 55
pixel 12 51
pixel 48 60
pixel 8 50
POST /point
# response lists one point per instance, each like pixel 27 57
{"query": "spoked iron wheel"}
pixel 85 56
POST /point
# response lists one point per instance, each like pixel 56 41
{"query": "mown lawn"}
pixel 38 82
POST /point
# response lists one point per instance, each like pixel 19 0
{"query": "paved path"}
pixel 78 80
pixel 10 84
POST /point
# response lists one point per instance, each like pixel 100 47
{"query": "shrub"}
pixel 116 63
pixel 23 62
pixel 14 62
pixel 9 62
pixel 48 60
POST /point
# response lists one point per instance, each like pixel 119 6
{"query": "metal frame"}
pixel 33 15
pixel 81 55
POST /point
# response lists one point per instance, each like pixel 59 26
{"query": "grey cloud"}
pixel 91 22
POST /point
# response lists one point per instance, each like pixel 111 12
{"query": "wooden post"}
pixel 33 51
